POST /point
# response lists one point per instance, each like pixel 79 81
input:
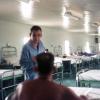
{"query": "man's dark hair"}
pixel 35 28
pixel 45 63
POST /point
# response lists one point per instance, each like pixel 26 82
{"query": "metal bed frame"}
pixel 12 77
pixel 84 83
pixel 8 51
pixel 58 72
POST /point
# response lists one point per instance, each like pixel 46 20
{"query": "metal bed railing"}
pixel 82 82
pixel 8 80
pixel 58 72
pixel 8 51
pixel 77 76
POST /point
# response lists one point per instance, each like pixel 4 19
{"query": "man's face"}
pixel 36 36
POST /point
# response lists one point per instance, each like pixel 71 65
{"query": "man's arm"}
pixel 42 47
pixel 25 60
pixel 22 92
pixel 16 95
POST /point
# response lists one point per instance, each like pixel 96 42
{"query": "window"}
pixel 25 40
pixel 67 48
pixel 87 47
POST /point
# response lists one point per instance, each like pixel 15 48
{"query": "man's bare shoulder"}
pixel 29 83
pixel 26 90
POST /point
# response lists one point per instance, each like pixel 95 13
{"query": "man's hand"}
pixel 83 97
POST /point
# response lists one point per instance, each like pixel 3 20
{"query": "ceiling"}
pixel 50 12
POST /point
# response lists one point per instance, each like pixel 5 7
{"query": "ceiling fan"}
pixel 80 16
pixel 75 15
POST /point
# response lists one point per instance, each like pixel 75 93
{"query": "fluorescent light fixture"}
pixel 66 21
pixel 86 21
pixel 67 48
pixel 25 40
pixel 87 28
pixel 87 47
pixel 24 1
pixel 26 9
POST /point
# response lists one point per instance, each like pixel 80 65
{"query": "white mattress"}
pixel 73 60
pixel 6 73
pixel 2 71
pixel 91 93
pixel 90 75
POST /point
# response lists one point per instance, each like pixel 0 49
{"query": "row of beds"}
pixel 84 70
pixel 64 67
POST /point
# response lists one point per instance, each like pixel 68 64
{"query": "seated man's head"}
pixel 45 63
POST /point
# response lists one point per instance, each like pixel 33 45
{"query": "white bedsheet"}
pixel 2 71
pixel 91 93
pixel 73 60
pixel 90 75
pixel 6 73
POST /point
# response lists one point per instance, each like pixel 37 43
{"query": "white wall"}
pixel 57 36
pixel 13 33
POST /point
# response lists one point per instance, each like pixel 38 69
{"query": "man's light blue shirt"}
pixel 28 52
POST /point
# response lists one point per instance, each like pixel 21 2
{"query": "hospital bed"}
pixel 87 77
pixel 57 73
pixel 9 58
pixel 81 62
pixel 70 65
pixel 8 81
pixel 90 93
pixel 73 60
pixel 62 70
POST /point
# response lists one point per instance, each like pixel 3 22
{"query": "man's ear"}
pixel 35 69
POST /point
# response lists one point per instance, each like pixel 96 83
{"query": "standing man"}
pixel 30 50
